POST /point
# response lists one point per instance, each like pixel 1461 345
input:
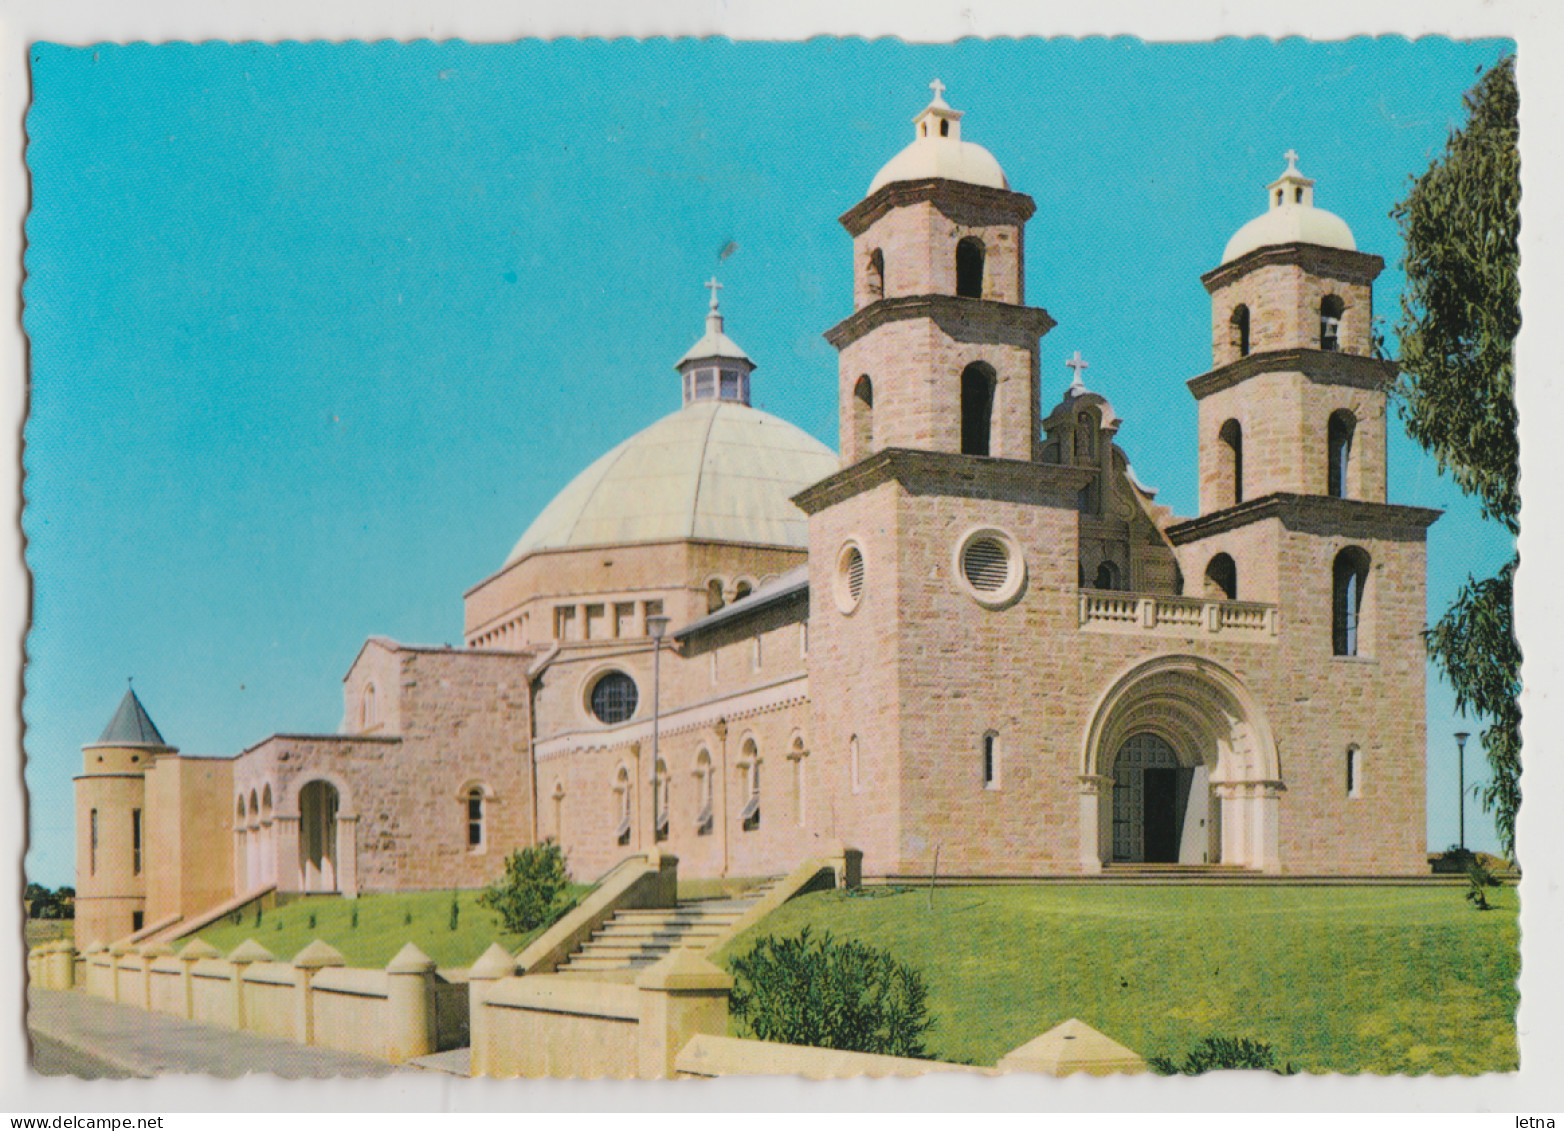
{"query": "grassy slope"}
pixel 1336 979
pixel 382 928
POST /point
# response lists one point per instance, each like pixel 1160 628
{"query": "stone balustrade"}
pixel 1129 613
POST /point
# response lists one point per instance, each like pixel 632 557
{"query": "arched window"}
pixel 1230 461
pixel 1338 442
pixel 1107 576
pixel 614 698
pixel 1331 310
pixel 991 760
pixel 1222 578
pixel 977 408
pixel 741 590
pixel 1085 437
pixel 704 791
pixel 475 830
pixel 366 711
pixel 852 763
pixel 863 416
pixel 1349 578
pixel 874 275
pixel 660 802
pixel 969 268
pixel 714 599
pixel 623 806
pixel 1240 330
pixel 749 766
pixel 1354 772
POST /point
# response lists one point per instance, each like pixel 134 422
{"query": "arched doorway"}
pixel 1179 766
pixel 318 802
pixel 1162 812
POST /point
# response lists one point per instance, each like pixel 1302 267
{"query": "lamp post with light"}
pixel 1460 749
pixel 657 628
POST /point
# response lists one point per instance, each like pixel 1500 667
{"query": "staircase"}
pixel 631 940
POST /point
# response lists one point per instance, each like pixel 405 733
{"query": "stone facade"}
pixel 997 655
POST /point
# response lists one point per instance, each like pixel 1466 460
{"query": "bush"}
pixel 1478 878
pixel 1216 1053
pixel 527 896
pixel 835 995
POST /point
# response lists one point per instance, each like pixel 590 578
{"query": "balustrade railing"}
pixel 1115 611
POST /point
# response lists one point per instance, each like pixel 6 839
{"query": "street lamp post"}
pixel 1460 746
pixel 656 627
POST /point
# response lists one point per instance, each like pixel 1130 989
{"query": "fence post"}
pixel 150 952
pixel 682 995
pixel 62 966
pixel 494 964
pixel 305 964
pixel 409 1005
pixel 245 953
pixel 94 949
pixel 117 951
pixel 194 951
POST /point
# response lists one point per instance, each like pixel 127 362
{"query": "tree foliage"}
pixel 1460 312
pixel 837 995
pixel 1461 307
pixel 528 894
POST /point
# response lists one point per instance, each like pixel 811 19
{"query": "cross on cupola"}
pixel 1292 189
pixel 938 122
pixel 715 368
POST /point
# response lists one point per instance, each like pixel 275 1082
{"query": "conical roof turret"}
pixel 131 725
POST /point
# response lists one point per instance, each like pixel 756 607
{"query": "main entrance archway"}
pixel 1179 766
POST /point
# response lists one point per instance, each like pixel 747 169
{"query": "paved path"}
pixel 101 1038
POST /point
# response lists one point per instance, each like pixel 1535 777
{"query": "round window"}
pixel 614 698
pixel 989 567
pixel 849 577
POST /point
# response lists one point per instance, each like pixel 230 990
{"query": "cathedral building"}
pixel 973 636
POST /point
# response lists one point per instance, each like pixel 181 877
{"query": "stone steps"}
pixel 637 937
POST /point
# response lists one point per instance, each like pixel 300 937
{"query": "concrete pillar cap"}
pixel 410 960
pixel 1073 1046
pixel 250 951
pixel 119 949
pixel 154 950
pixel 96 947
pixel 65 946
pixel 657 858
pixel 684 969
pixel 496 962
pixel 197 949
pixel 318 954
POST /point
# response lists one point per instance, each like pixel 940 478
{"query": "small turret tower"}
pixel 111 833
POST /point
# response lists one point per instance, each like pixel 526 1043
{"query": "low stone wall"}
pixel 707 1056
pixel 403 1011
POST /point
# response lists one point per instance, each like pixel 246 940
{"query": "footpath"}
pixel 138 1043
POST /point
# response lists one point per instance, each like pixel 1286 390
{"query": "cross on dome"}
pixel 1292 188
pixel 1076 364
pixel 939 90
pixel 1292 160
pixel 713 286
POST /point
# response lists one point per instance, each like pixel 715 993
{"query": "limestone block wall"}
pixel 855 663
pixel 371 699
pixel 917 242
pixel 1284 308
pixel 606 590
pixel 189 830
pixel 916 364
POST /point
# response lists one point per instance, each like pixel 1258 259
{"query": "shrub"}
pixel 353 916
pixel 1216 1053
pixel 1479 877
pixel 835 995
pixel 456 911
pixel 257 915
pixel 528 894
pixel 312 920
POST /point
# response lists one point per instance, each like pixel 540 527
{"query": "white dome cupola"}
pixel 715 368
pixel 1290 217
pixel 937 151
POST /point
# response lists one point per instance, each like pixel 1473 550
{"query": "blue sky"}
pixel 317 329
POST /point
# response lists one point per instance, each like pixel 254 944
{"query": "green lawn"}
pixel 1348 980
pixel 383 927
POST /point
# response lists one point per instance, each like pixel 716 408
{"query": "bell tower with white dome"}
pixel 940 353
pixel 1295 401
